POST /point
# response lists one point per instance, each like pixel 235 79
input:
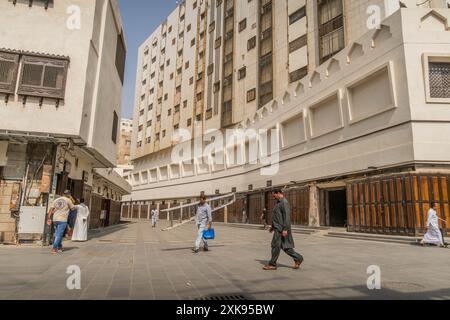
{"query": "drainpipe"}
pixel 47 229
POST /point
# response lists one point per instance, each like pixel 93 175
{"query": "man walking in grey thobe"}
pixel 282 233
pixel 204 222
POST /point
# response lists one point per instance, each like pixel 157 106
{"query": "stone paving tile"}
pixel 134 261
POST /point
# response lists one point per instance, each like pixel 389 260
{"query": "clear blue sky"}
pixel 140 18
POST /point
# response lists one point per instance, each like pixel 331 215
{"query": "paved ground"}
pixel 135 261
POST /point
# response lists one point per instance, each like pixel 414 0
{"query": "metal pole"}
pixel 47 229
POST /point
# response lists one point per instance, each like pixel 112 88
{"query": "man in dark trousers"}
pixel 282 234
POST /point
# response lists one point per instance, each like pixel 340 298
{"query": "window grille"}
pixel 439 74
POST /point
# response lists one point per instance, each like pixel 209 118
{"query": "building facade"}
pixel 124 166
pixel 61 78
pixel 354 95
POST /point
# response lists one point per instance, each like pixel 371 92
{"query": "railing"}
pixel 216 204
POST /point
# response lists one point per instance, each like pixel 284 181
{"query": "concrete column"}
pixel 225 218
pixel 139 212
pixel 148 210
pixel 132 210
pixel 314 220
pixel 168 212
pixel 181 212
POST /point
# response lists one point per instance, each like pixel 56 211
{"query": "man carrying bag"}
pixel 204 222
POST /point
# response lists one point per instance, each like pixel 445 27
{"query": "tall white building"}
pixel 358 90
pixel 61 77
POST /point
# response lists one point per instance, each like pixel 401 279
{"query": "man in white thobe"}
pixel 81 224
pixel 434 235
pixel 154 217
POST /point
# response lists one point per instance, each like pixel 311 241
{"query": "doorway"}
pixel 333 208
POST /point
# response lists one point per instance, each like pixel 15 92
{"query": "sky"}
pixel 140 18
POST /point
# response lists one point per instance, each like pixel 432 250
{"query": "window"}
pixel 212 26
pixel 208 114
pixel 166 96
pixel 194 6
pixel 189 122
pixel 9 66
pixel 177 109
pixel 140 128
pixel 169 112
pixel 298 74
pixel 170 29
pixel 120 57
pixel 168 63
pixel 217 86
pixel 174 41
pixel 141 113
pixel 198 117
pixel 191 80
pixel 150 107
pixel 251 43
pixel 193 42
pixel 41 77
pixel 218 43
pixel 297 15
pixel 149 140
pixel 171 76
pixel 439 74
pixel 186 65
pixel 115 127
pixel 189 27
pixel 149 123
pixel 185 103
pixel 298 43
pixel 152 76
pixel 200 76
pixel 176 127
pixel 331 28
pixel 251 95
pixel 210 69
pixel 242 25
pixel 242 73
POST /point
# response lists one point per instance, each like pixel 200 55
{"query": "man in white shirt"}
pixel 58 215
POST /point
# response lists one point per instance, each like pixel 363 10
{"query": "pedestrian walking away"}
pixel 155 216
pixel 264 218
pixel 58 215
pixel 80 231
pixel 204 222
pixel 282 233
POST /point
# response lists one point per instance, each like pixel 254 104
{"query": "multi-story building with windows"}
pixel 124 166
pixel 61 77
pixel 357 90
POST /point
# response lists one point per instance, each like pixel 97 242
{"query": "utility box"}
pixel 32 220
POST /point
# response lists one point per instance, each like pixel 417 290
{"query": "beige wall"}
pixel 396 127
pixel 93 88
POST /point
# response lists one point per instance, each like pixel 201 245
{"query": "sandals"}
pixel 270 268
